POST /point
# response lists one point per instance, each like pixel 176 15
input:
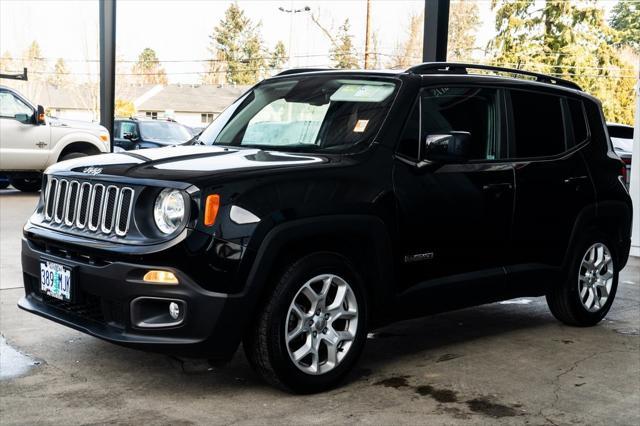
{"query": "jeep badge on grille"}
pixel 92 170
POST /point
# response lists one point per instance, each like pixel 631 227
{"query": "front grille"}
pixel 86 205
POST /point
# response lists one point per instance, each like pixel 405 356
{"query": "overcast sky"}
pixel 179 30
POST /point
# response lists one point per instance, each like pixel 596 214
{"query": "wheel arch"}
pixel 79 146
pixel 362 239
pixel 610 217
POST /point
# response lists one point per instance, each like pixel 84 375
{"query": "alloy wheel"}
pixel 595 277
pixel 321 324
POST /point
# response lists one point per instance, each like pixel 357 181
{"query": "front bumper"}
pixel 101 305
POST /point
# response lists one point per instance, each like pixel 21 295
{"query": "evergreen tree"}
pixel 237 49
pixel 625 18
pixel 33 61
pixel 278 56
pixel 60 75
pixel 343 53
pixel 569 40
pixel 148 69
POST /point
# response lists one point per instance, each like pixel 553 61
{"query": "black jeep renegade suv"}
pixel 322 204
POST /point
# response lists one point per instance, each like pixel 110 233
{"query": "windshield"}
pixel 164 131
pixel 306 114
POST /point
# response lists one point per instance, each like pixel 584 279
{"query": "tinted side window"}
pixel 467 109
pixel 538 124
pixel 578 120
pixel 409 144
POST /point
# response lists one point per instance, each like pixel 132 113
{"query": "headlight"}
pixel 169 210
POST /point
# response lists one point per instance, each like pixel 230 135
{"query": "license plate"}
pixel 55 280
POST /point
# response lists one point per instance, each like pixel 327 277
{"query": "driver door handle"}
pixel 575 179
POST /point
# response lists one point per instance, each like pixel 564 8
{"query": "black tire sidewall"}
pixel 72 155
pixel 304 270
pixel 26 184
pixel 571 291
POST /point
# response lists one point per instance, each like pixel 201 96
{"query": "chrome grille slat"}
pixel 71 203
pixel 61 198
pixel 95 211
pixel 109 212
pixel 89 207
pixel 51 199
pixel 83 205
pixel 124 211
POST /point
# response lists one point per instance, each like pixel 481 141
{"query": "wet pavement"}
pixel 503 363
pixel 14 363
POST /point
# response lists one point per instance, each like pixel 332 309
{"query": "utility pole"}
pixel 634 186
pixel 367 39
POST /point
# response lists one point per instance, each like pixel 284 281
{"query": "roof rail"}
pixel 462 68
pixel 301 70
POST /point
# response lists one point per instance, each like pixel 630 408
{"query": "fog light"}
pixel 174 310
pixel 160 277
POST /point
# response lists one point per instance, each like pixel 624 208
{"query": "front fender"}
pixel 257 266
pixel 73 137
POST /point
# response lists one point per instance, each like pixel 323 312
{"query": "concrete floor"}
pixel 505 363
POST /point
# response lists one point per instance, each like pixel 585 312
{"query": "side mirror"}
pixel 40 115
pixel 129 136
pixel 23 118
pixel 452 147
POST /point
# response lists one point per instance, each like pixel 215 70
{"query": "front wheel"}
pixel 591 280
pixel 312 329
pixel 28 184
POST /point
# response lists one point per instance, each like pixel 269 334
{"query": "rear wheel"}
pixel 311 331
pixel 27 184
pixel 591 281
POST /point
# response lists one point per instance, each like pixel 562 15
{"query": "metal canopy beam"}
pixel 436 30
pixel 107 64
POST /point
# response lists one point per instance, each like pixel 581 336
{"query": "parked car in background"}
pixel 31 141
pixel 141 133
pixel 622 139
pixel 322 205
pixel 195 131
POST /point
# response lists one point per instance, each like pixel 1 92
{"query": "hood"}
pixel 170 142
pixel 188 163
pixel 75 124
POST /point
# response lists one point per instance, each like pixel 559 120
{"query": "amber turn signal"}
pixel 211 209
pixel 104 138
pixel 160 277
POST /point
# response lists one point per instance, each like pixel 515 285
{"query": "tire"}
pixel 30 184
pixel 72 155
pixel 265 343
pixel 570 301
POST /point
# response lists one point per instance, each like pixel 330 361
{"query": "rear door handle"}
pixel 575 179
pixel 495 186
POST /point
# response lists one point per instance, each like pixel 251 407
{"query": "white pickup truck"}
pixel 31 141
